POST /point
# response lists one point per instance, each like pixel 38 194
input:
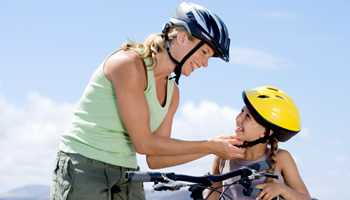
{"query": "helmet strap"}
pixel 170 56
pixel 264 139
pixel 179 65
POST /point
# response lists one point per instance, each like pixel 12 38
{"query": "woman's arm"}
pixel 293 188
pixel 127 74
pixel 155 162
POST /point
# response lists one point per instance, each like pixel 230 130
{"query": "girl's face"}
pixel 247 129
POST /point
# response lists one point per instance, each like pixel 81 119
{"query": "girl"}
pixel 269 116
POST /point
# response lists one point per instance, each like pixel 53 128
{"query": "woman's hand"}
pixel 224 147
pixel 270 190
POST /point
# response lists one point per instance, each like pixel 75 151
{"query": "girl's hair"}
pixel 273 143
pixel 154 43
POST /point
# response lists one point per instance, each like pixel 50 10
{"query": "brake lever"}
pixel 256 174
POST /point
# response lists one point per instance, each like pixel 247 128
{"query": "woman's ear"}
pixel 181 37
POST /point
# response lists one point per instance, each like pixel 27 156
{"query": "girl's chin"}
pixel 238 136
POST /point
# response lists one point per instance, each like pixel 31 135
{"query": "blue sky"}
pixel 48 50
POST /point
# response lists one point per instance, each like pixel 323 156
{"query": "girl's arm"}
pixel 293 188
pixel 215 171
pixel 127 74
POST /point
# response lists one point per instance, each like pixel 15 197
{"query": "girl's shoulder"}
pixel 283 158
pixel 282 153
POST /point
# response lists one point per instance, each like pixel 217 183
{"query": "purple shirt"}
pixel 236 191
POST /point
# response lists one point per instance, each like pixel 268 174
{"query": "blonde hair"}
pixel 154 43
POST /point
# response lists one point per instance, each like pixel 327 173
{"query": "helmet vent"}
pixel 263 96
pixel 274 89
pixel 279 97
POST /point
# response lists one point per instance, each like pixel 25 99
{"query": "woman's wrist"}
pixel 209 146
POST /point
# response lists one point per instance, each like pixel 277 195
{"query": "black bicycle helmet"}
pixel 205 26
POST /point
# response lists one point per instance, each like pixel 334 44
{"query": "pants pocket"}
pixel 62 179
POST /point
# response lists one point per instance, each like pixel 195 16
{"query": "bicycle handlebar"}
pixel 204 180
pixel 197 184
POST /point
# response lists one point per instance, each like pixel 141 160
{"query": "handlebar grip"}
pixel 135 176
pixel 140 176
pixel 269 175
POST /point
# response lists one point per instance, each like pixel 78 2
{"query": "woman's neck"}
pixel 162 66
pixel 255 152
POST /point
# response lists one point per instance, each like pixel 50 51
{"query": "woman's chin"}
pixel 186 73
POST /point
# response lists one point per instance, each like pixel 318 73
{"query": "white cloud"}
pixel 203 120
pixel 256 59
pixel 30 136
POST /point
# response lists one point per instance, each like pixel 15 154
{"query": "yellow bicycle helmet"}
pixel 274 109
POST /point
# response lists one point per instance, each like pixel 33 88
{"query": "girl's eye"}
pixel 204 52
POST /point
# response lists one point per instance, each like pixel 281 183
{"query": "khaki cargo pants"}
pixel 79 178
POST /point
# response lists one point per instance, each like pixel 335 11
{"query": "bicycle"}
pixel 197 184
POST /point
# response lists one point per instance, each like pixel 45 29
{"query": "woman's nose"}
pixel 205 63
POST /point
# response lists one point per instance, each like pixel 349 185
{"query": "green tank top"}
pixel 97 130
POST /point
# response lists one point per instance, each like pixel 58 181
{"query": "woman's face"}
pixel 198 59
pixel 247 129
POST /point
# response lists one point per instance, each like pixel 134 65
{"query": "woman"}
pixel 269 116
pixel 129 106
